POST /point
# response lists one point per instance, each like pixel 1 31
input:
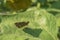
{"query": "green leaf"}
pixel 58 19
pixel 38 19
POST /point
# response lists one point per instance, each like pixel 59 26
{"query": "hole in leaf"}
pixel 21 24
pixel 33 32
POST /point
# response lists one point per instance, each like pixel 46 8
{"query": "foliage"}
pixel 37 21
pixel 44 22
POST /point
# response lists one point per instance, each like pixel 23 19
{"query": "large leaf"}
pixel 39 19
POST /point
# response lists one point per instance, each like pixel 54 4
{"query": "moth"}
pixel 21 24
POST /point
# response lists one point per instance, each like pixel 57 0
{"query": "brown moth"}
pixel 21 24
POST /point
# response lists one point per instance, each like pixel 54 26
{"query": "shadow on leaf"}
pixel 33 32
pixel 58 33
pixel 27 39
pixel 53 12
